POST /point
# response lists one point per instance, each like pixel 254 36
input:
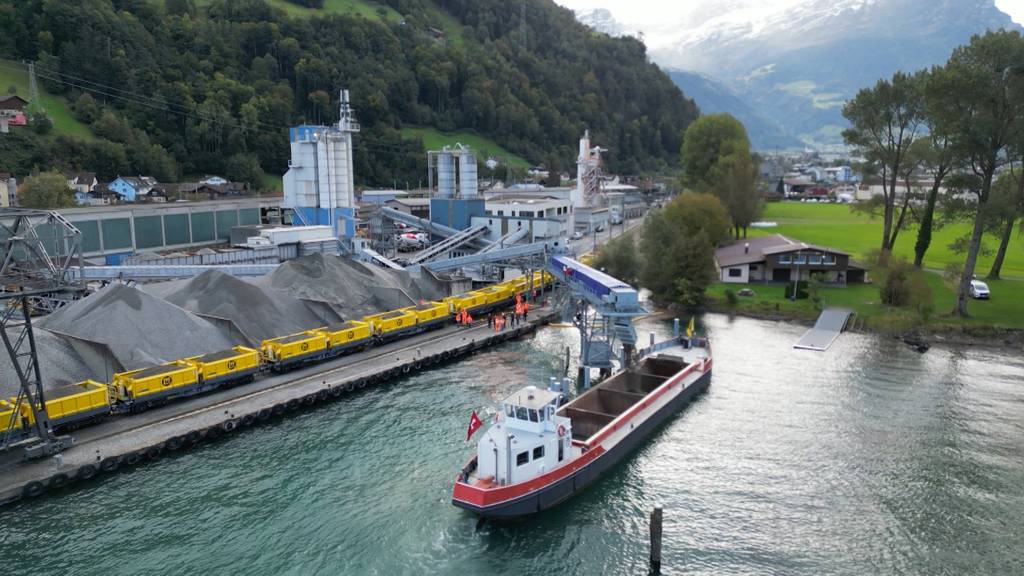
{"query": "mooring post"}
pixel 656 540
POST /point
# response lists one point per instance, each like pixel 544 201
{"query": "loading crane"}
pixel 602 308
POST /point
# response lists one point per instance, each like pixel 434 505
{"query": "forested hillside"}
pixel 173 87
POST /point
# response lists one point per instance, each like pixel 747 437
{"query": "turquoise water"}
pixel 869 459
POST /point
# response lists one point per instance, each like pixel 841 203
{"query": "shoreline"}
pixel 950 335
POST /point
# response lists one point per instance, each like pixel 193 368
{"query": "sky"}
pixel 649 13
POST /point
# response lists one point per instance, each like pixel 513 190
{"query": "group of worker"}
pixel 463 318
pixel 499 320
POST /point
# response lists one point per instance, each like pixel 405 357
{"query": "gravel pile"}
pixel 59 363
pixel 139 328
pixel 257 312
pixel 353 289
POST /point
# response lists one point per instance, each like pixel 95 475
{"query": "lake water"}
pixel 867 459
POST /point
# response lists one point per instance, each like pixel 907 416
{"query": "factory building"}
pixel 319 187
pixel 544 218
pixel 455 201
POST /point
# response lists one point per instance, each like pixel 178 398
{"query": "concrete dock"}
pixel 126 441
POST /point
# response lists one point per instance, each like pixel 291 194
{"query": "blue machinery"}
pixel 602 308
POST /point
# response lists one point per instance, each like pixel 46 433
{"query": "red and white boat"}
pixel 541 450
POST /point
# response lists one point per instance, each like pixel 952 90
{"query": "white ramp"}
pixel 828 327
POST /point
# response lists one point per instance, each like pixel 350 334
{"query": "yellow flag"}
pixel 689 328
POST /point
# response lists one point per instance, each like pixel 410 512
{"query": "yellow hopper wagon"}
pixel 390 325
pixel 348 336
pixel 291 351
pixel 472 301
pixel 431 315
pixel 11 421
pixel 142 389
pixel 236 365
pixel 74 405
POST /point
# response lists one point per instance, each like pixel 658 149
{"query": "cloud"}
pixel 1015 9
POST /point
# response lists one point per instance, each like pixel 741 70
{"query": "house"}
pixel 839 174
pixel 83 184
pixel 13 102
pixel 538 172
pixel 132 188
pixel 776 258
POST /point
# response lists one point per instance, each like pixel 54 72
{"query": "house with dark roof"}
pixel 776 258
pixel 132 188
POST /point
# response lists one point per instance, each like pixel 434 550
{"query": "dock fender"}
pixel 248 420
pixel 58 480
pixel 278 409
pixel 33 489
pixel 417 365
pixel 228 425
pixel 336 391
pixel 86 472
pixel 310 399
pixel 292 404
pixel 153 452
pixel 322 395
pixel 213 433
pixel 109 464
pixel 132 458
pixel 263 414
pixel 193 437
pixel 445 355
pixel 350 387
pixel 406 368
pixel 173 443
pixel 362 382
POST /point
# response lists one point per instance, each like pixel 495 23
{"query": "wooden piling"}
pixel 656 540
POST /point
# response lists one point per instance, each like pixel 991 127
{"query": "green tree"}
pixel 46 190
pixel 1005 207
pixel 975 102
pixel 678 245
pixel 619 258
pixel 884 122
pixel 86 108
pixel 244 168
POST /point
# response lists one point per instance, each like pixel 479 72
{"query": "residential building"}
pixel 132 188
pixel 776 258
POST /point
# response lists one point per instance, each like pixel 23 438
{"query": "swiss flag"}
pixel 474 424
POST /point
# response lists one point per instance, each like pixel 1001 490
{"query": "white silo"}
pixel 467 175
pixel 445 174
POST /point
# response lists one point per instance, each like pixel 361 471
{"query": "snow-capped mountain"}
pixel 601 19
pixel 795 62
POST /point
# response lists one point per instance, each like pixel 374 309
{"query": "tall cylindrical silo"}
pixel 467 175
pixel 445 174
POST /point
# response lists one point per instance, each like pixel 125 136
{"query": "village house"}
pixel 776 258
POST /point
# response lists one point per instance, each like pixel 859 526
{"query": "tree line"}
pixel 963 124
pixel 172 88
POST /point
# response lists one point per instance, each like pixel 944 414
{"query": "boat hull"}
pixel 556 492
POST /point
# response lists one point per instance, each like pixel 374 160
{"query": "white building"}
pixel 318 186
pixel 545 218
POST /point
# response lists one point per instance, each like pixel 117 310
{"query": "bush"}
pixel 801 290
pixel 731 297
pixel 903 285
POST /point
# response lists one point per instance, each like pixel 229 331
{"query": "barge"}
pixel 543 450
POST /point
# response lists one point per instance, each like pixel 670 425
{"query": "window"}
pixel 785 259
pixel 800 259
pixel 521 413
pixel 538 452
pixel 829 259
pixel 510 411
pixel 533 415
pixel 522 458
pixel 561 451
pixel 814 259
pixel 735 272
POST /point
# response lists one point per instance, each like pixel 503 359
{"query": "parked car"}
pixel 577 235
pixel 979 290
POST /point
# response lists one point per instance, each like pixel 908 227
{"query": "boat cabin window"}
pixel 521 413
pixel 538 452
pixel 561 451
pixel 533 415
pixel 510 411
pixel 522 458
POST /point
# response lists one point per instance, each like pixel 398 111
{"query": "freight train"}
pixel 76 405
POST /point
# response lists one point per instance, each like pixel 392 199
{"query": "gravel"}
pixel 140 329
pixel 257 312
pixel 59 363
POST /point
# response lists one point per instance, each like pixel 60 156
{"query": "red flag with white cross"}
pixel 474 424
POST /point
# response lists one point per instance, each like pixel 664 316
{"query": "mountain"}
pixel 797 61
pixel 175 87
pixel 713 97
pixel 601 19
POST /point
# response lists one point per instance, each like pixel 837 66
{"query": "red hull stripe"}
pixel 485 497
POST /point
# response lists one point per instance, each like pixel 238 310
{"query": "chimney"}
pixel 746 248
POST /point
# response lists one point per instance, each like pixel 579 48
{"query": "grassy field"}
pixel 14 74
pixel 434 140
pixel 836 226
pixel 1004 310
pixel 272 183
